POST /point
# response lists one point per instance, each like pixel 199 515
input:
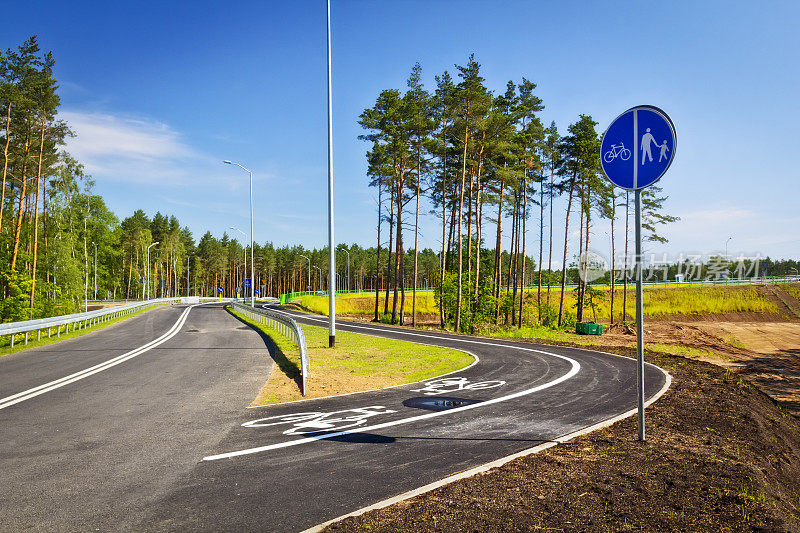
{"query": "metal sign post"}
pixel 637 149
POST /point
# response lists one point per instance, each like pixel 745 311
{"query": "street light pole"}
pixel 95 270
pixel 726 259
pixel 331 250
pixel 244 254
pixel 252 263
pixel 309 272
pixel 148 268
pixel 320 276
pixel 348 270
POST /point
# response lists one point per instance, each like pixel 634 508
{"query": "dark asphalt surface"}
pixel 123 449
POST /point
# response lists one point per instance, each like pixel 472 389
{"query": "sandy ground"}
pixel 768 353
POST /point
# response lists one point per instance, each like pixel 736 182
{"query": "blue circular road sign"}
pixel 638 147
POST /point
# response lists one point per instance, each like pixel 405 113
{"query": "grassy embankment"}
pixel 357 363
pixel 364 303
pixel 19 345
pixel 658 301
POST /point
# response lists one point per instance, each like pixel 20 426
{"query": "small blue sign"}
pixel 638 147
pixel 219 290
pixel 257 291
pixel 247 282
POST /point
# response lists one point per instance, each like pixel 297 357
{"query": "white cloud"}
pixel 120 148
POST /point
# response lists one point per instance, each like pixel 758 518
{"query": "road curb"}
pixel 493 464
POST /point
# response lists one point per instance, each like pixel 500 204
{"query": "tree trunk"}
pixel 378 255
pixel 579 310
pixel 564 263
pixel 625 266
pixel 498 253
pixel 5 165
pixel 478 217
pixel 389 252
pixel 524 239
pixel 416 246
pixel 443 259
pixel 460 217
pixel 541 249
pixel 398 273
pixel 550 239
pixel 36 215
pixel 21 212
pixel 613 217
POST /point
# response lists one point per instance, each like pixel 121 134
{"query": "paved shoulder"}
pixel 99 452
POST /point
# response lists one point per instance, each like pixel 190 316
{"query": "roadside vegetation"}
pixel 357 363
pixel 658 301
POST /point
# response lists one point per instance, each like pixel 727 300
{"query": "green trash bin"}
pixel 587 328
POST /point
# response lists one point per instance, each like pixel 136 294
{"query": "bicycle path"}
pixel 291 466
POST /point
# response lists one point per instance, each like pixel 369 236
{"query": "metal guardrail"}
pixel 286 326
pixel 77 321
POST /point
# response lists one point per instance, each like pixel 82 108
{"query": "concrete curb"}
pixel 493 464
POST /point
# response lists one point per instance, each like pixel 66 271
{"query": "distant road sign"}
pixel 219 290
pixel 247 282
pixel 638 147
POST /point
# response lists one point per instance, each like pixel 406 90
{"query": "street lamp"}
pixel 726 259
pixel 320 276
pixel 148 268
pixel 252 264
pixel 95 270
pixel 309 271
pixel 348 270
pixel 187 272
pixel 244 254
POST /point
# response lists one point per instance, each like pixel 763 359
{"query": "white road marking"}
pixel 496 463
pixel 455 384
pixel 47 387
pixel 572 372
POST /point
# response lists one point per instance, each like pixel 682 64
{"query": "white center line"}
pixel 66 380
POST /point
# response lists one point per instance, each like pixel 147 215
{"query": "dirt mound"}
pixel 622 329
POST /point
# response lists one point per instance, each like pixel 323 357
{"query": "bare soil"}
pixel 720 456
pixel 723 448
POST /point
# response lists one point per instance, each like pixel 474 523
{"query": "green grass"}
pixel 358 362
pixel 658 301
pixel 19 342
pixel 793 290
pixel 364 303
pixel 534 332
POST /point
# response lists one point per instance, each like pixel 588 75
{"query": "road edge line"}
pixel 494 464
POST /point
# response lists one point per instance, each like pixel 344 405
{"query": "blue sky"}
pixel 161 92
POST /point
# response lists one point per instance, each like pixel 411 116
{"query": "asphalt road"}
pixel 163 440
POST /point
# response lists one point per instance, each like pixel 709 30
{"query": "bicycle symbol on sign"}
pixel 455 384
pixel 617 151
pixel 317 422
